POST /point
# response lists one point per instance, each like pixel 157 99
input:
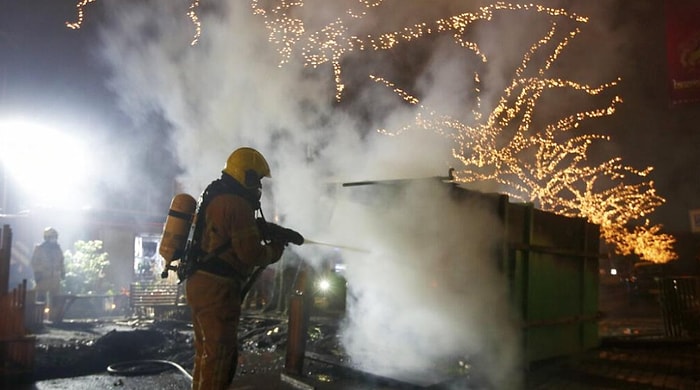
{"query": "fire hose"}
pixel 145 367
pixel 307 241
pixel 256 273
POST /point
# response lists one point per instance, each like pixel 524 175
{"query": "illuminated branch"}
pixel 548 167
pixel 285 31
pixel 191 13
pixel 541 168
pixel 331 43
pixel 80 14
pixel 645 241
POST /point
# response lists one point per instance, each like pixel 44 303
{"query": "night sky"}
pixel 49 71
pixel 55 75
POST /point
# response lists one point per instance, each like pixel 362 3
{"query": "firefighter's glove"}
pixel 274 232
pixel 294 237
pixel 284 234
pixel 276 248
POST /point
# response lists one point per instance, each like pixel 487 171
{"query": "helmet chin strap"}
pixel 251 195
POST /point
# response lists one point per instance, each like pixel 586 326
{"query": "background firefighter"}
pixel 226 225
pixel 47 262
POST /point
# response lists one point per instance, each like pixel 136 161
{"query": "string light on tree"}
pixel 80 14
pixel 331 43
pixel 548 165
pixel 191 13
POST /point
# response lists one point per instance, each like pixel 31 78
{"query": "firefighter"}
pixel 47 262
pixel 228 207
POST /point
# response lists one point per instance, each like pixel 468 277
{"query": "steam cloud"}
pixel 228 91
pixel 430 290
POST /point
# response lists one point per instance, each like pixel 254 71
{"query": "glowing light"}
pixel 191 13
pixel 549 167
pixel 324 285
pixel 80 14
pixel 331 43
pixel 46 163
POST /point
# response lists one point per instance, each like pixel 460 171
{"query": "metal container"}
pixel 550 263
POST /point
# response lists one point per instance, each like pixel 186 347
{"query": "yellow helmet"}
pixel 50 233
pixel 247 166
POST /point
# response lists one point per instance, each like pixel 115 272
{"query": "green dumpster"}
pixel 551 264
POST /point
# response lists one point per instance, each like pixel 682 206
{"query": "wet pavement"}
pixel 620 363
pixel 634 353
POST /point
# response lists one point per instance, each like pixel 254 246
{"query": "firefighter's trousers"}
pixel 47 289
pixel 215 302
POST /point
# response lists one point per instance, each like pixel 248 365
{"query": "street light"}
pixel 46 164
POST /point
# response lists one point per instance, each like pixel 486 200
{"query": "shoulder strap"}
pixel 213 189
pixel 220 186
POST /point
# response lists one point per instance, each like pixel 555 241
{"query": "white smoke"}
pixel 230 91
pixel 429 291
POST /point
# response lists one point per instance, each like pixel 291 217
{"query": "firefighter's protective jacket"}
pixel 230 217
pixel 47 261
pixel 226 221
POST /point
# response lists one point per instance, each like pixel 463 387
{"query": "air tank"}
pixel 177 227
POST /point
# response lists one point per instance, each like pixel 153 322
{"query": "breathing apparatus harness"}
pixel 194 258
